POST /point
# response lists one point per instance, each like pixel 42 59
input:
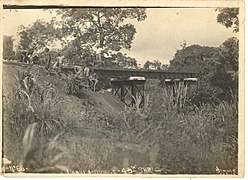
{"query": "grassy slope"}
pixel 102 103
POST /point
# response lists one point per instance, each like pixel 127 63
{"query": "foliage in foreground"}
pixel 168 134
pixel 29 102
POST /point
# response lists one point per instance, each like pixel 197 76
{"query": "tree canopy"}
pixel 105 26
pixel 229 54
pixel 155 64
pixel 193 58
pixel 213 65
pixel 88 28
pixel 229 18
pixel 38 35
pixel 80 31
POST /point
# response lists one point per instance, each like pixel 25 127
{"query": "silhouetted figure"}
pixel 93 81
pixel 58 64
pixel 48 61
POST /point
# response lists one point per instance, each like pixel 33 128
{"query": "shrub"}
pixel 74 86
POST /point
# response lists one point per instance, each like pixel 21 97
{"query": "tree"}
pixel 165 66
pixel 147 65
pixel 126 62
pixel 8 52
pixel 103 26
pixel 214 82
pixel 80 30
pixel 72 53
pixel 229 18
pixel 156 64
pixel 229 54
pixel 229 50
pixel 229 57
pixel 38 35
pixel 194 58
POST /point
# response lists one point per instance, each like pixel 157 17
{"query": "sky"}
pixel 158 36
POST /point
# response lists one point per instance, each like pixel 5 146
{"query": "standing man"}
pixel 24 56
pixel 58 64
pixel 98 50
pixel 48 61
pixel 34 57
pixel 99 53
pixel 93 80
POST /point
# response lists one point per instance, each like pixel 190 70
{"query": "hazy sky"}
pixel 157 37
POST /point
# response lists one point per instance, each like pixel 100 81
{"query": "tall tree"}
pixel 8 51
pixel 103 26
pixel 229 18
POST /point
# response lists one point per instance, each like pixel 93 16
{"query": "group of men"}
pixel 57 64
pixel 29 57
pixel 86 71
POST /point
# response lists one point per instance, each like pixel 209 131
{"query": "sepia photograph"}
pixel 122 90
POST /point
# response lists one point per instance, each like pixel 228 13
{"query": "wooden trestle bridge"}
pixel 131 82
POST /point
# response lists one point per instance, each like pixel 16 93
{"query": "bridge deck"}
pixel 126 73
pixel 148 74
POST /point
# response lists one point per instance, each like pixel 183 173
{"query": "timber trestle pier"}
pixel 130 91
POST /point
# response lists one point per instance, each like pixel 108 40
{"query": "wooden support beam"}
pixel 133 92
pixel 122 92
pixel 129 89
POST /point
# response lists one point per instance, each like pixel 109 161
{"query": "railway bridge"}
pixel 131 82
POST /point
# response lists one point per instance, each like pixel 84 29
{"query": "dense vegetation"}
pixel 217 69
pixel 167 135
pixel 182 129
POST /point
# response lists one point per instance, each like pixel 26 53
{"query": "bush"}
pixel 74 86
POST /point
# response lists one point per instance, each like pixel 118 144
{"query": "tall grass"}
pixel 28 103
pixel 167 133
pixel 41 158
pixel 198 140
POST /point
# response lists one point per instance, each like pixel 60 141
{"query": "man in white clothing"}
pixel 98 51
